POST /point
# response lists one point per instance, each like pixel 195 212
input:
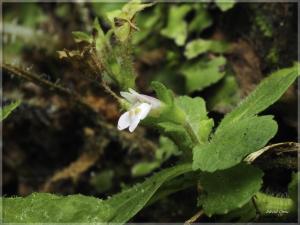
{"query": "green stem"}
pixel 190 131
pixel 268 204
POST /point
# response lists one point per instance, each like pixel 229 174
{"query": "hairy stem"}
pixel 36 79
pixel 268 204
pixel 128 141
pixel 99 67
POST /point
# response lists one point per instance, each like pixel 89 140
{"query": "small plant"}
pixel 210 155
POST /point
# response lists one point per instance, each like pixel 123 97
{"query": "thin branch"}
pixel 37 80
pixel 292 146
pixel 194 218
pixel 109 130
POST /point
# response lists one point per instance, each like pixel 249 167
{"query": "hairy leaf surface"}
pixel 233 142
pixel 229 189
pixel 265 94
pixel 196 117
pixel 44 207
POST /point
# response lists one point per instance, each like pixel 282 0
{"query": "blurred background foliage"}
pixel 216 50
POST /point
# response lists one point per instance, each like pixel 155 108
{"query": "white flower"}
pixel 132 118
pixel 133 97
pixel 141 106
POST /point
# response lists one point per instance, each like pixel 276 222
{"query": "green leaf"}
pixel 162 93
pixel 102 8
pixel 177 27
pixel 229 189
pixel 144 168
pixel 180 183
pixel 233 142
pixel 178 134
pixel 97 27
pixel 46 208
pixel 128 11
pixel 184 120
pixel 123 27
pixel 130 201
pixel 148 22
pixel 168 112
pixel 225 5
pixel 131 8
pixel 200 46
pixel 7 110
pixel 265 94
pixel 123 32
pixel 111 15
pixel 100 40
pixel 202 19
pixel 82 37
pixel 241 215
pixel 203 73
pixel 195 117
pixel 50 208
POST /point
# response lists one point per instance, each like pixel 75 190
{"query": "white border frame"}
pixel 166 1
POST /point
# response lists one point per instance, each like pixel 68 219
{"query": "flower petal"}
pixel 141 105
pixel 133 97
pixel 133 92
pixel 128 96
pixel 148 99
pixel 124 121
pixel 144 110
pixel 134 122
